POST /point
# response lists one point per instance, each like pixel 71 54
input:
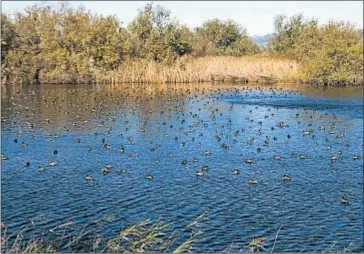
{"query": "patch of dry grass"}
pixel 207 69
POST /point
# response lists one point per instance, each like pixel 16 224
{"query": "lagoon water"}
pixel 166 124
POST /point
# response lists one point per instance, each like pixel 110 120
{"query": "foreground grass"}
pixel 145 236
pixel 141 237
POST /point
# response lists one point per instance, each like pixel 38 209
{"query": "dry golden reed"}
pixel 206 69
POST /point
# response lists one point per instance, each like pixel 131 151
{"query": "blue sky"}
pixel 256 16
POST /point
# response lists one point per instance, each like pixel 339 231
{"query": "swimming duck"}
pixel 105 171
pixel 355 157
pixel 286 178
pixel 41 169
pixel 248 161
pixel 277 157
pixel 4 157
pixel 123 171
pixel 236 172
pixel 205 168
pixel 344 201
pixel 199 173
pixel 121 149
pixel 88 177
pixel 334 158
pixel 253 181
pixel 195 159
pixel 184 162
pixel 306 133
pixel 27 164
pixel 208 152
pixel 52 163
pixel 149 177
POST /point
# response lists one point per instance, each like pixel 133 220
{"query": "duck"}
pixel 277 157
pixel 41 169
pixel 253 181
pixel 236 172
pixel 195 159
pixel 199 173
pixel 286 178
pixel 27 164
pixel 205 168
pixel 248 161
pixel 355 157
pixel 149 177
pixel 184 162
pixel 306 132
pixel 88 177
pixel 52 163
pixel 121 149
pixel 334 158
pixel 123 171
pixel 208 152
pixel 344 201
pixel 105 171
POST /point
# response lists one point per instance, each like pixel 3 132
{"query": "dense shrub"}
pixel 330 53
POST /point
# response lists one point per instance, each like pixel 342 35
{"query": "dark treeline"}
pixel 67 45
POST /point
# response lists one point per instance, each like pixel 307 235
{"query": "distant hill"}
pixel 262 40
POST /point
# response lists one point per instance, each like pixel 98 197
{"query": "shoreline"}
pixel 218 69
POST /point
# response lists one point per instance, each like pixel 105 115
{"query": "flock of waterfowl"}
pixel 108 109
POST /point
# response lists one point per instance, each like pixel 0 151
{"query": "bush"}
pixel 330 54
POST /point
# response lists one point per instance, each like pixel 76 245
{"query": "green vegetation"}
pixel 66 45
pixel 331 54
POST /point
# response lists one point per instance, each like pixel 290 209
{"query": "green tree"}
pixel 216 37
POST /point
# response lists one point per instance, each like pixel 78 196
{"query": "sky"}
pixel 256 16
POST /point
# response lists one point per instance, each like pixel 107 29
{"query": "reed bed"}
pixel 206 69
